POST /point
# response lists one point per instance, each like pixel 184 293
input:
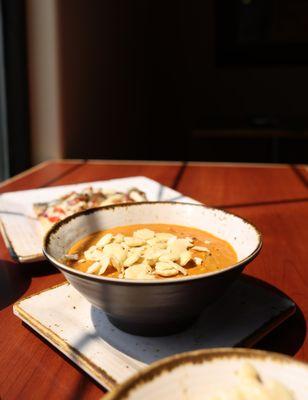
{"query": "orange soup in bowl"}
pixel 150 251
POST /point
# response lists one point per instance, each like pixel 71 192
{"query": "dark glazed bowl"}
pixel 153 307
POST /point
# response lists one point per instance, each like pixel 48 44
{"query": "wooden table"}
pixel 275 198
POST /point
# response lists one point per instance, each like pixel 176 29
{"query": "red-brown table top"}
pixel 274 197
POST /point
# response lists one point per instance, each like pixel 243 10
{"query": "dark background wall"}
pixel 15 88
pixel 122 80
pixel 141 80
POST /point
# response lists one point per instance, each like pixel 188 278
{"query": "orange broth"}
pixel 221 254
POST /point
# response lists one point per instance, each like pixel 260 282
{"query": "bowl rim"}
pixel 195 357
pixel 149 282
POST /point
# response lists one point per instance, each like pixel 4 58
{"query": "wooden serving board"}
pixel 247 312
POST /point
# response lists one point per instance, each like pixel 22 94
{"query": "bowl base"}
pixel 145 329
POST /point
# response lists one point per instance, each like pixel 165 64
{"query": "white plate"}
pixel 203 375
pixel 22 231
pixel 247 312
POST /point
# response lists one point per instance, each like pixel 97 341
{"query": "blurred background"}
pixel 200 80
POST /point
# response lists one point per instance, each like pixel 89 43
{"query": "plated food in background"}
pixel 219 374
pixel 23 231
pixel 54 211
pixel 150 251
pixel 169 303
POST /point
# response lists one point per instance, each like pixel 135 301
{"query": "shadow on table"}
pixel 13 283
pixel 39 268
pixel 287 337
pixel 16 278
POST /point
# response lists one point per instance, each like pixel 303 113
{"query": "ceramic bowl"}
pixel 153 307
pixel 199 375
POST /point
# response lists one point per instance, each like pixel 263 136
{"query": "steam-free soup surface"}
pixel 216 254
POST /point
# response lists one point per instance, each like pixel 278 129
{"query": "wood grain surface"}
pixel 237 185
pixel 274 198
pixel 302 173
pixel 95 171
pixel 39 176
